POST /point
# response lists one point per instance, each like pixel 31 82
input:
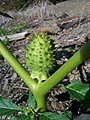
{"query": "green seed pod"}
pixel 39 56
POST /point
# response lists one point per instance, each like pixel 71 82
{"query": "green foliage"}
pixel 31 101
pixel 7 107
pixel 3 31
pixel 80 92
pixel 39 56
pixel 55 116
pixel 17 27
pixel 23 3
pixel 22 117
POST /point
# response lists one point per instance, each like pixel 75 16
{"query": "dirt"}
pixel 68 23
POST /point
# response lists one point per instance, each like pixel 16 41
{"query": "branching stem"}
pixel 17 67
pixel 73 62
pixel 40 89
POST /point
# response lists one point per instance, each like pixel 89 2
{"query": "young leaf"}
pixel 68 114
pixel 22 117
pixel 53 116
pixel 80 92
pixel 5 15
pixel 31 101
pixel 7 107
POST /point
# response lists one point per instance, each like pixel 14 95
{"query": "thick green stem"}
pixel 17 67
pixel 41 101
pixel 73 62
pixel 21 71
pixel 39 90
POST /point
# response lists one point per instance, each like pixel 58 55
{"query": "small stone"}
pixel 82 117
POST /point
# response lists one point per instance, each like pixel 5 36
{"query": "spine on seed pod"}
pixel 39 56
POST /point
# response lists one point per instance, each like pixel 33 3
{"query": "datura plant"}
pixel 40 59
pixel 40 56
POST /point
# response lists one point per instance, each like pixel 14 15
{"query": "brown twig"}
pixel 17 36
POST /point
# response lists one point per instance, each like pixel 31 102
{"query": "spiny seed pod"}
pixel 40 56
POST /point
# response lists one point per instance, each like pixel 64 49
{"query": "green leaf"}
pixel 31 101
pixel 3 31
pixel 53 116
pixel 68 114
pixel 5 15
pixel 7 107
pixel 22 117
pixel 80 92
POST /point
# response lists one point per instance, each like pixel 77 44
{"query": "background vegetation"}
pixel 18 4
